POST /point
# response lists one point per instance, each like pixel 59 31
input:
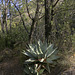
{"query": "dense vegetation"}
pixel 24 22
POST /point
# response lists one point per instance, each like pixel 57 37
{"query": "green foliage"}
pixel 29 70
pixel 42 55
pixel 16 36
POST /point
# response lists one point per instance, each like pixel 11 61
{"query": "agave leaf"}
pixel 33 71
pixel 49 49
pixel 44 47
pixel 35 55
pixel 39 42
pixel 39 45
pixel 32 47
pixel 53 57
pixel 30 60
pixel 41 71
pixel 50 46
pixel 31 55
pixel 51 53
pixel 26 70
pixel 37 50
pixel 29 70
pixel 49 61
pixel 48 68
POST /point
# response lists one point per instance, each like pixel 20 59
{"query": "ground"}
pixel 71 70
pixel 11 67
pixel 10 63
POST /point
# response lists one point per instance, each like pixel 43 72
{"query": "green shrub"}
pixel 16 36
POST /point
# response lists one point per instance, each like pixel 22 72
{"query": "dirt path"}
pixel 11 67
pixel 10 62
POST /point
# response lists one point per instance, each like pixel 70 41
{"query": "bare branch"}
pixel 56 3
pixel 28 9
pixel 37 10
pixel 21 17
pixel 41 17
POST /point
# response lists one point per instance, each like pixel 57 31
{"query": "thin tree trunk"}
pixel 33 27
pixel 10 14
pixel 49 14
pixel 6 15
pixel 34 23
pixel 2 25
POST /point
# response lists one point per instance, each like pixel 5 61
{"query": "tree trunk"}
pixel 34 23
pixel 48 26
pixel 10 14
pixel 6 15
pixel 32 30
pixel 2 25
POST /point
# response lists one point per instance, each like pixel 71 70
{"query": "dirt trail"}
pixel 11 67
pixel 10 62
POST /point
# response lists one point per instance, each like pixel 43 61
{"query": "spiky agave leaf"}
pixel 29 70
pixel 30 60
pixel 43 46
pixel 49 49
pixel 37 50
pixel 30 54
pixel 26 70
pixel 51 52
pixel 41 71
pixel 32 48
pixel 39 45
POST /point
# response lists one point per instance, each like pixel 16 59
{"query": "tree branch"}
pixel 41 17
pixel 28 10
pixel 56 3
pixel 21 17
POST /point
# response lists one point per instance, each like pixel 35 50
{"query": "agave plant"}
pixel 40 54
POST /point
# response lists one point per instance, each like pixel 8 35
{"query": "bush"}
pixel 16 36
